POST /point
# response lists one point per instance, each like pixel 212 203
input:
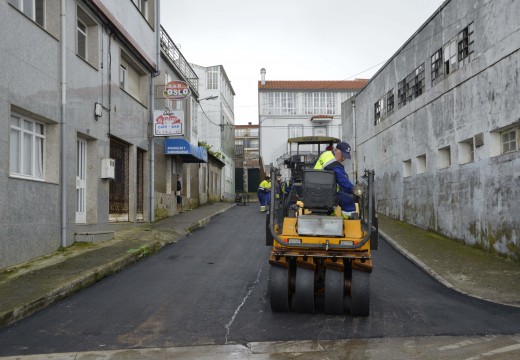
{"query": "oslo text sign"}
pixel 176 90
pixel 168 123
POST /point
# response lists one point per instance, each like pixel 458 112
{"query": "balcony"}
pixel 176 57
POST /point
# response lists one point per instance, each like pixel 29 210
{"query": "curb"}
pixel 428 270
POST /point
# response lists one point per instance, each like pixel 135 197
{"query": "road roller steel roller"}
pixel 320 257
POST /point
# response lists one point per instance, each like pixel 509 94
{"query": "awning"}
pixel 190 153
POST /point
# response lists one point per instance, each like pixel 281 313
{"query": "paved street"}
pixel 211 289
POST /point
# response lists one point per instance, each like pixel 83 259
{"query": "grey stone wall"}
pixel 476 201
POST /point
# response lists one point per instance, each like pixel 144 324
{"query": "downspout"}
pixel 354 160
pixel 63 138
pixel 152 108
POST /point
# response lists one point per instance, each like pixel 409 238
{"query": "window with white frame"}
pixel 509 140
pixel 132 79
pixel 87 37
pixel 295 130
pixel 123 74
pixel 212 78
pixel 280 103
pixel 33 9
pixel 82 39
pixel 26 152
pixel 319 103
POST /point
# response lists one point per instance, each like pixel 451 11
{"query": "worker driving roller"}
pixel 333 160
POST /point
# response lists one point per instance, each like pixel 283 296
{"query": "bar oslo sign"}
pixel 176 90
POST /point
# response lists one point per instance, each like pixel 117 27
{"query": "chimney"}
pixel 250 123
pixel 262 72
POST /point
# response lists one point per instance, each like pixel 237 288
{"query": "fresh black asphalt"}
pixel 211 288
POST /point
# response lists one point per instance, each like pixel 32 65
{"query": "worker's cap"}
pixel 344 148
pixel 267 177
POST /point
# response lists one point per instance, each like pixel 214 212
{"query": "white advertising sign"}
pixel 168 123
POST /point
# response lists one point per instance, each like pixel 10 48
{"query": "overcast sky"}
pixel 291 39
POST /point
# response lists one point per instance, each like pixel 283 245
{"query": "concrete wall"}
pixel 476 201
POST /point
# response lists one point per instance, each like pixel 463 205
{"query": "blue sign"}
pixel 190 153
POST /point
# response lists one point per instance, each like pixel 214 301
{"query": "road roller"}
pixel 320 257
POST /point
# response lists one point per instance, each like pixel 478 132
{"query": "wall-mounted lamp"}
pixel 98 110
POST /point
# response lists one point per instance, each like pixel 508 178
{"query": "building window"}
pixel 377 111
pixel 82 39
pixel 281 103
pixel 390 102
pixel 421 164
pixel 194 115
pixel 466 151
pixel 132 79
pixel 295 131
pixel 319 103
pixel 27 151
pixel 87 37
pixel 407 168
pixel 146 8
pixel 33 9
pixel 123 73
pixel 444 157
pixel 436 61
pixel 509 140
pixel 412 86
pixel 465 45
pixel 450 57
pixel 401 93
pixel 212 78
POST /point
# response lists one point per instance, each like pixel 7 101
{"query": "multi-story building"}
pixel 75 108
pixel 299 108
pixel 247 157
pixel 440 124
pixel 177 154
pixel 216 121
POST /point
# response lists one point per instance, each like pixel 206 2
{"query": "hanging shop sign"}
pixel 176 90
pixel 168 123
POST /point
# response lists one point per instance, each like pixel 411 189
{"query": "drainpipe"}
pixel 354 160
pixel 152 108
pixel 63 138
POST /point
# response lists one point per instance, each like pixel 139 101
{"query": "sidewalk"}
pixel 464 268
pixel 31 286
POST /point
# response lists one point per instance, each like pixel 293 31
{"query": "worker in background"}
pixel 264 193
pixel 333 160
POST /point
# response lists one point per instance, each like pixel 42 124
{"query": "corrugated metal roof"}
pixel 313 84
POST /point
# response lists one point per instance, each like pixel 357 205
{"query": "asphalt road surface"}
pixel 211 288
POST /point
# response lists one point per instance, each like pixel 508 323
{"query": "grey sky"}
pixel 291 39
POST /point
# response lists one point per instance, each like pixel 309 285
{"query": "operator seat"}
pixel 319 191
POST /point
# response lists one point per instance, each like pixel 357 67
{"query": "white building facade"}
pixel 216 121
pixel 299 108
pixel 440 124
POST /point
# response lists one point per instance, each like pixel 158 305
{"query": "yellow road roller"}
pixel 320 258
